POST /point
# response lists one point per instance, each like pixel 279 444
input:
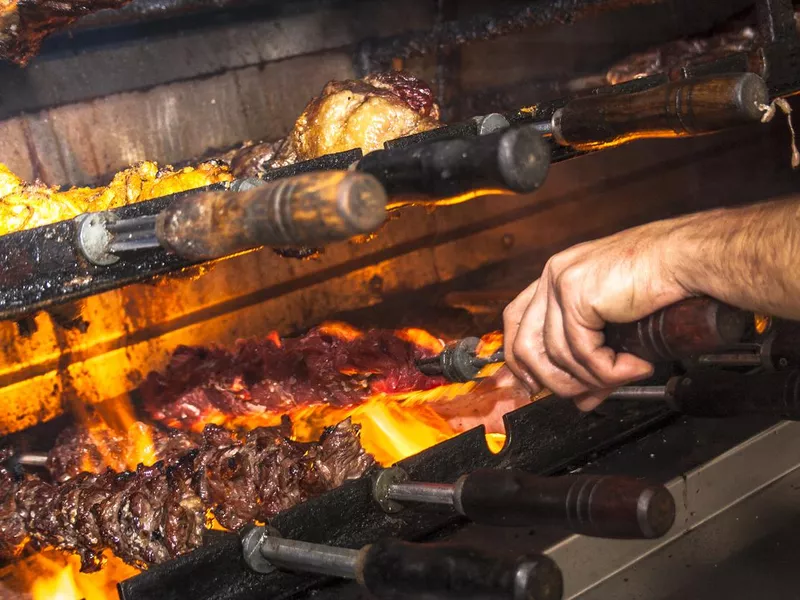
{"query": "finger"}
pixel 530 352
pixel 512 316
pixel 558 349
pixel 609 368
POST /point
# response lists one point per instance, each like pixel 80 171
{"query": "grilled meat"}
pixel 25 23
pixel 155 513
pixel 28 205
pixel 348 114
pixel 680 53
pixel 362 113
pixel 94 447
pixel 272 375
pixel 12 527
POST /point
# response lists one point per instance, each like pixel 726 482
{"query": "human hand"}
pixel 554 329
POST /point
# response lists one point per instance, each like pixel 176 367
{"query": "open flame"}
pixel 394 426
pixel 53 575
pixel 121 442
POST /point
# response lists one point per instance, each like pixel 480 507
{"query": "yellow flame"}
pixel 52 575
pixel 120 439
pixel 762 323
pixel 421 338
pixel 465 197
pixel 340 330
pixel 393 427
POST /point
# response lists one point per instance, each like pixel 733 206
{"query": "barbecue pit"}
pixel 96 100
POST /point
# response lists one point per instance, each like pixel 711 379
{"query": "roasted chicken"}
pixel 362 113
pixel 27 205
pixel 349 114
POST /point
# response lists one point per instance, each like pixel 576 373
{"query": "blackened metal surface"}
pixel 44 266
pixel 330 162
pixel 546 437
pixel 376 54
pixel 141 11
pixel 449 132
pixel 660 455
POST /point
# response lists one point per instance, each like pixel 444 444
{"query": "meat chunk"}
pixel 94 447
pixel 349 114
pixel 28 205
pixel 273 375
pixel 158 512
pixel 12 526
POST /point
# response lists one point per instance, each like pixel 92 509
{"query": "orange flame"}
pixel 421 338
pixel 122 441
pixel 340 330
pixel 53 575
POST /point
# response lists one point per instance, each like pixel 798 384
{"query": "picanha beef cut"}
pixel 155 513
pixel 274 375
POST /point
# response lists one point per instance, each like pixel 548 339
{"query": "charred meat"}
pixel 155 513
pixel 273 375
pixel 94 447
pixel 25 23
pixel 12 527
pixel 735 37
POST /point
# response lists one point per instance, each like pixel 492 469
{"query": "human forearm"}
pixel 554 329
pixel 746 256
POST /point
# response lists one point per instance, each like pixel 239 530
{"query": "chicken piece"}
pixel 28 205
pixel 359 114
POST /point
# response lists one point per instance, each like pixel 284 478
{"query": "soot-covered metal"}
pixel 545 437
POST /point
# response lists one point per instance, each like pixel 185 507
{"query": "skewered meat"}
pixel 94 447
pixel 24 23
pixel 28 205
pixel 12 527
pixel 156 513
pixel 348 114
pixel 273 375
pixel 680 53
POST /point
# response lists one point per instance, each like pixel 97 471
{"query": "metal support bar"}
pixel 705 492
pixel 776 20
pixel 373 55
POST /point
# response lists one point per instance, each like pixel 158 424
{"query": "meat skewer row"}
pixel 156 513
